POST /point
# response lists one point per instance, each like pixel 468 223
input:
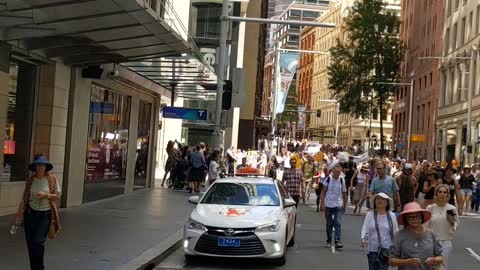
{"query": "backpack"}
pixel 328 183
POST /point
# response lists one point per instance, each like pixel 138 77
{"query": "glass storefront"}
pixel 143 140
pixel 106 162
pixel 17 120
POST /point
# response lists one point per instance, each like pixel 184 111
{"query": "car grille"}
pixel 249 243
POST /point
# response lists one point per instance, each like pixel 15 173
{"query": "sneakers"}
pixel 328 245
pixel 338 245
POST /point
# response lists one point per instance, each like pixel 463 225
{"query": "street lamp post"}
pixel 224 18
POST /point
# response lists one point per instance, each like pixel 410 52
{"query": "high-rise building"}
pixel 461 34
pixel 421 31
pixel 284 37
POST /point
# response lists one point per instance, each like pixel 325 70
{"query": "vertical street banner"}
pixel 301 117
pixel 287 67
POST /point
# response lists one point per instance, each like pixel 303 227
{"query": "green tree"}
pixel 369 53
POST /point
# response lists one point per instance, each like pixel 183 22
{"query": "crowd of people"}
pixel 427 198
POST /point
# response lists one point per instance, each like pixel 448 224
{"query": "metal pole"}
pixel 336 124
pixel 410 112
pixel 173 84
pixel 221 74
pixel 471 86
pixel 276 21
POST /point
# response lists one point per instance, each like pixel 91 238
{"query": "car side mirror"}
pixel 194 199
pixel 289 203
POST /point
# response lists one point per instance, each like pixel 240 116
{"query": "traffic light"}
pixel 469 149
pixel 227 95
pixel 319 113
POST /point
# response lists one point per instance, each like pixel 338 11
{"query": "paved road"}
pixel 309 253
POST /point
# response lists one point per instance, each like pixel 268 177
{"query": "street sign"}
pixel 101 107
pixel 185 113
pixel 417 138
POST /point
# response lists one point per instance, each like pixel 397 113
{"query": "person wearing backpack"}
pixel 334 203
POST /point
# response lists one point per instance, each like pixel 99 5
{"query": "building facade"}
pixel 424 74
pixel 461 34
pixel 61 95
pixel 305 71
pixel 285 37
pixel 351 131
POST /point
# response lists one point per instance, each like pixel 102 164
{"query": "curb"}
pixel 156 254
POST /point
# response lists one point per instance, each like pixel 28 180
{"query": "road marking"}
pixel 473 254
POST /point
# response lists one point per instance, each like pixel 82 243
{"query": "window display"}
pixel 18 108
pixel 106 162
pixel 143 139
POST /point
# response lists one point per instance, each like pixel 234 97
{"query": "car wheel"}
pixel 282 260
pixel 189 259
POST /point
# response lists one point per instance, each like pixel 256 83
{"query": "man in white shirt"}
pixel 334 203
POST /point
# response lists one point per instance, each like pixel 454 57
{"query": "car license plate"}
pixel 228 242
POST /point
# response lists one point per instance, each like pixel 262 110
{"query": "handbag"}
pixel 383 253
pixel 53 231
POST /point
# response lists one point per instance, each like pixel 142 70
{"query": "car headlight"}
pixel 194 225
pixel 272 227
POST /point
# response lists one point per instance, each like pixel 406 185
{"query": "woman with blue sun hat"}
pixel 38 211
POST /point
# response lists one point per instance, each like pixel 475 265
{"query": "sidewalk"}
pixel 103 235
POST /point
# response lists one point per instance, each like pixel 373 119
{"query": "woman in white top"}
pixel 213 168
pixel 379 222
pixel 38 211
pixel 444 221
pixel 361 179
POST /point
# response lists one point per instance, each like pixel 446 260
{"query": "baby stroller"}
pixel 178 176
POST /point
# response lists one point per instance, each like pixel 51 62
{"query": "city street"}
pixel 309 253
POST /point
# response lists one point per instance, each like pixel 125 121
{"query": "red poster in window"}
pixel 9 147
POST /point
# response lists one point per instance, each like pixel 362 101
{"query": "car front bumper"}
pixel 255 245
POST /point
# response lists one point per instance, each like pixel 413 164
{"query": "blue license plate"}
pixel 228 242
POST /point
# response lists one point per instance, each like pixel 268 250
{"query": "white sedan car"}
pixel 250 217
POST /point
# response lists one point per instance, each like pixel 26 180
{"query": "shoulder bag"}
pixel 383 253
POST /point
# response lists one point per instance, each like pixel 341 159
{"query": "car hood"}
pixel 235 216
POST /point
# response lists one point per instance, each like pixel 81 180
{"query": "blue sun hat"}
pixel 40 160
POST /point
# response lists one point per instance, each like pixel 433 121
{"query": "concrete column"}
pixel 51 121
pixel 153 144
pixel 458 144
pixel 443 154
pixel 132 144
pixel 75 151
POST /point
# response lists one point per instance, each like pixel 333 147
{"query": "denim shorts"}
pixel 466 191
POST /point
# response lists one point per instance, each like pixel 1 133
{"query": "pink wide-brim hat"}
pixel 413 207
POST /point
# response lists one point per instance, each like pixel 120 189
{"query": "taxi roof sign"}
pixel 248 171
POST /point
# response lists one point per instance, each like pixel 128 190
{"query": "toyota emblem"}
pixel 229 231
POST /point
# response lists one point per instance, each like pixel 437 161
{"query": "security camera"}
pixel 114 73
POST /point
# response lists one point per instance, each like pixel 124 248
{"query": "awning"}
pixel 191 78
pixel 88 32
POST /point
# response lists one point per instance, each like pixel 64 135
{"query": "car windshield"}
pixel 242 194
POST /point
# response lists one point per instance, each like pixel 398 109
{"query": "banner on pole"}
pixel 287 67
pixel 301 117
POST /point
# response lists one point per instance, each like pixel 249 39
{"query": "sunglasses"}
pixel 416 217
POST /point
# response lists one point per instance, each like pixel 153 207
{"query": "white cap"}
pixel 408 166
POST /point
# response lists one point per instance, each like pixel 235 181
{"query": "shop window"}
pixel 107 144
pixel 143 143
pixel 16 117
